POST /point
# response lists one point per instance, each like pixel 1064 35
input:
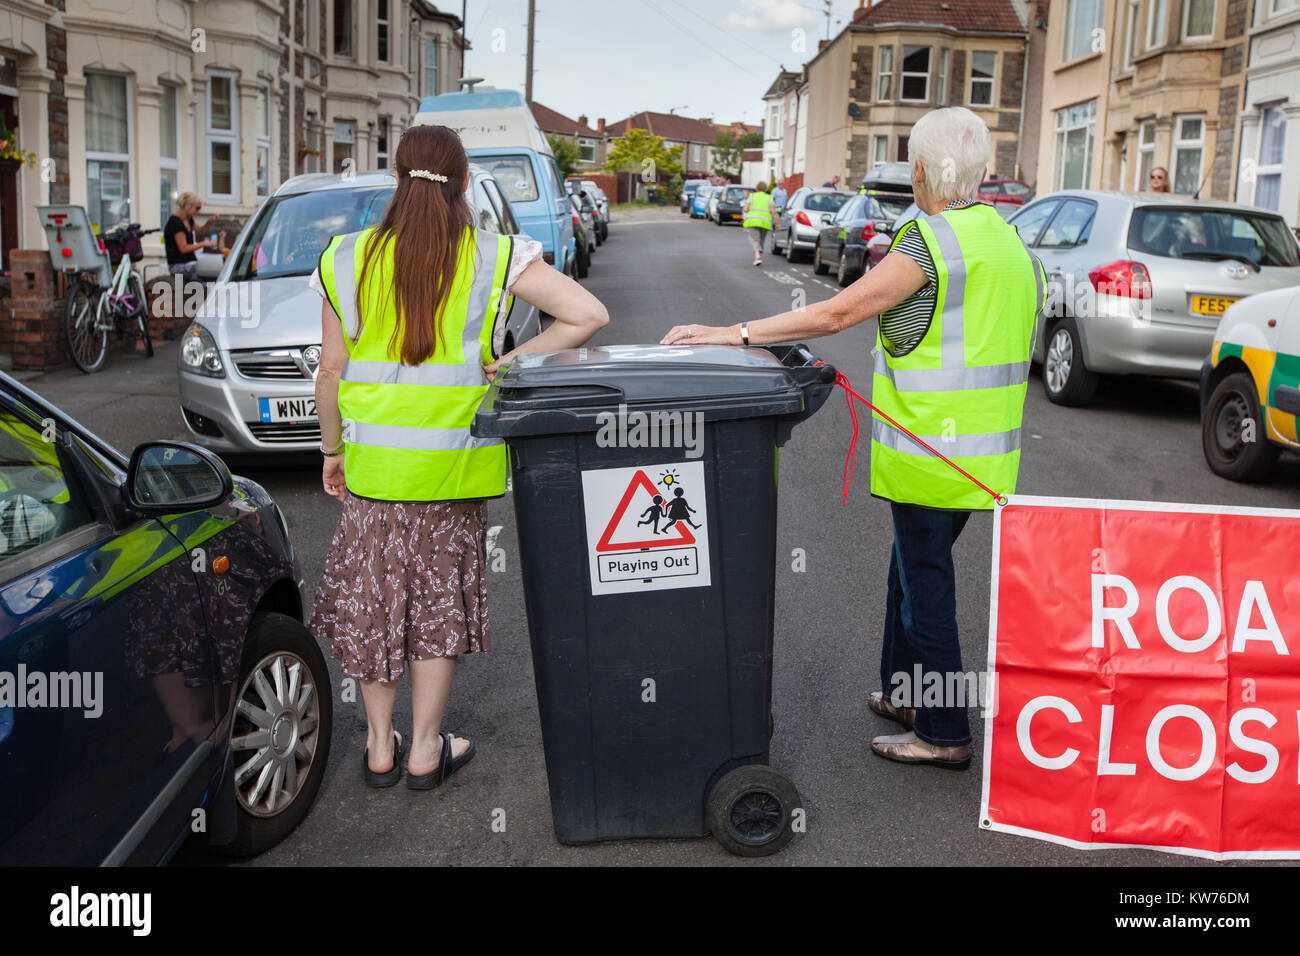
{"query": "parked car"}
pixel 602 206
pixel 500 134
pixel 247 364
pixel 889 178
pixel 842 244
pixel 700 202
pixel 711 213
pixel 157 597
pixel 590 209
pixel 584 230
pixel 727 204
pixel 1256 346
pixel 1009 191
pixel 689 189
pixel 1139 281
pixel 805 213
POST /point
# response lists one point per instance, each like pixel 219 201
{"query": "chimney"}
pixel 582 120
pixel 600 125
pixel 821 45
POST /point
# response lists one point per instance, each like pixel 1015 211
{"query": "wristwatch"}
pixel 744 332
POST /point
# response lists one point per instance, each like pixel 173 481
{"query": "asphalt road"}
pixel 1140 440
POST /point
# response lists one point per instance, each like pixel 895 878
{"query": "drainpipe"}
pixel 1024 90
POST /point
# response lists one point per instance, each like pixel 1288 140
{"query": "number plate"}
pixel 735 215
pixel 302 409
pixel 1211 304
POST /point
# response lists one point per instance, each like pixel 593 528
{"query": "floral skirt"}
pixel 403 581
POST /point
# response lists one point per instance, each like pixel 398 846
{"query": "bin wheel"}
pixel 751 809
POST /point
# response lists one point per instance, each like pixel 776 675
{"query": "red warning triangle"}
pixel 639 480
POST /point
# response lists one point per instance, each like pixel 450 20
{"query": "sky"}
pixel 700 58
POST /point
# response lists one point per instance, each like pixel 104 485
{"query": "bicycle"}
pixel 92 311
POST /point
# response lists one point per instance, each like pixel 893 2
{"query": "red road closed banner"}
pixel 1147 661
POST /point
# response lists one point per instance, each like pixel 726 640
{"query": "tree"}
pixel 641 152
pixel 566 154
pixel 752 140
pixel 726 155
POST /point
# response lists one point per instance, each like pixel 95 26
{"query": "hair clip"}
pixel 425 174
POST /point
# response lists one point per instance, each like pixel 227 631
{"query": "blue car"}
pixel 700 203
pixel 156 679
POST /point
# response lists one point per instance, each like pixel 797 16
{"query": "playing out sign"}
pixel 1147 664
pixel 647 527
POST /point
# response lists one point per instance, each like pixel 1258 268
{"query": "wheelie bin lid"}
pixel 558 392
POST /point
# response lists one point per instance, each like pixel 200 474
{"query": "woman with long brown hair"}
pixel 407 327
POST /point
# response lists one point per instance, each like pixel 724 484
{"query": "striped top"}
pixel 903 326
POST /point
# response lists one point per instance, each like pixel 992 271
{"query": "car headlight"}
pixel 199 352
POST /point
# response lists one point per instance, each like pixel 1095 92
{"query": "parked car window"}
pixel 1212 234
pixel 825 202
pixel 559 178
pixel 1068 225
pixel 487 217
pixel 508 221
pixel 735 194
pixel 889 207
pixel 37 503
pixel 1015 189
pixel 292 231
pixel 1029 223
pixel 849 211
pixel 514 174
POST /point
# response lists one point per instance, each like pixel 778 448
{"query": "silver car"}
pixel 247 365
pixel 1139 281
pixel 802 219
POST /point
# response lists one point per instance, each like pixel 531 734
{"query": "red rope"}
pixel 849 394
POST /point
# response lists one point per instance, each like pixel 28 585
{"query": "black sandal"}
pixel 446 767
pixel 389 777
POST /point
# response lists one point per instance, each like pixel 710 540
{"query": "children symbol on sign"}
pixel 653 514
pixel 678 510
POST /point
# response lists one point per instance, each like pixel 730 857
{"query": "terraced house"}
pixel 135 101
pixel 898 59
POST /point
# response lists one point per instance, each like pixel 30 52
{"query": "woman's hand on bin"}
pixel 703 335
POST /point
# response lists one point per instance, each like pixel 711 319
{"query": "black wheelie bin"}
pixel 645 487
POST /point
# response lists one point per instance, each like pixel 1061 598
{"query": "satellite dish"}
pixel 470 82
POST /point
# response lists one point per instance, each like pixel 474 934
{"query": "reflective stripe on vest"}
pixel 404 440
pixel 962 388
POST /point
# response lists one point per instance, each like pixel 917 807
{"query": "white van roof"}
pixel 485 119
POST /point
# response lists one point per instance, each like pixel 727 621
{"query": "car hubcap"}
pixel 1233 413
pixel 275 734
pixel 1060 357
pixel 756 816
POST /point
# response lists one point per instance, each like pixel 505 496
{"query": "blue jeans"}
pixel 921 621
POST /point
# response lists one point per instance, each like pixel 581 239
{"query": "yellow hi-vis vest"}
pixel 759 212
pixel 406 428
pixel 962 388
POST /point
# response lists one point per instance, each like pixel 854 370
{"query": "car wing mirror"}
pixel 165 477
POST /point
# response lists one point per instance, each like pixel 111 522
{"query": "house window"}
pixel 342 27
pixel 901 156
pixel 1146 154
pixel 588 150
pixel 915 85
pixel 431 66
pixel 381 144
pixel 1198 19
pixel 222 154
pixel 1268 174
pixel 1075 127
pixel 1189 147
pixel 263 142
pixel 108 160
pixel 1281 6
pixel 982 66
pixel 941 94
pixel 774 121
pixel 381 30
pixel 1156 25
pixel 885 79
pixel 345 137
pixel 169 153
pixel 1082 18
pixel 880 149
pixel 1131 32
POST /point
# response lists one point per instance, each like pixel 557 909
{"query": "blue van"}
pixel 501 135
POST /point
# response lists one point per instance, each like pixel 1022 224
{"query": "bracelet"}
pixel 744 332
pixel 331 454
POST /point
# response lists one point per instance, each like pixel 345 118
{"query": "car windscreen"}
pixel 892 206
pixel 292 231
pixel 1212 235
pixel 735 195
pixel 1015 189
pixel 514 174
pixel 825 202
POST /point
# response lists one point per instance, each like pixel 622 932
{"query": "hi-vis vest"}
pixel 760 211
pixel 406 428
pixel 962 388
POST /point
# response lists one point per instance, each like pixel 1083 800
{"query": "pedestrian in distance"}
pixel 833 182
pixel 757 208
pixel 779 198
pixel 1158 180
pixel 178 236
pixel 951 361
pixel 406 360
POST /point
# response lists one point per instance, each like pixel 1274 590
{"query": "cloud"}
pixel 768 15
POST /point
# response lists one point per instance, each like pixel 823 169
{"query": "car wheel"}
pixel 842 274
pixel 1066 379
pixel 776 246
pixel 584 262
pixel 281 731
pixel 1234 436
pixel 791 253
pixel 819 267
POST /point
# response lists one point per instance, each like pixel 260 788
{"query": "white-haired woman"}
pixel 958 296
